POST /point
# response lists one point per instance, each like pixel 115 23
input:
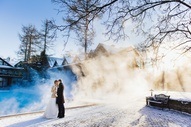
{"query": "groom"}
pixel 60 99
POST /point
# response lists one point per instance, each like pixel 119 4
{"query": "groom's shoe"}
pixel 61 116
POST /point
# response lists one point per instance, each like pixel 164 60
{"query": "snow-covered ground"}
pixel 132 113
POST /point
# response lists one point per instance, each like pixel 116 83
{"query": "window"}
pixel 1 62
pixel 5 64
pixel 1 82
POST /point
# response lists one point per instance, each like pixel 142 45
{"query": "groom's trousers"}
pixel 61 110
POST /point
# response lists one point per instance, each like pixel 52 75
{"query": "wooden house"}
pixel 102 50
pixel 9 74
pixel 57 62
pixel 131 54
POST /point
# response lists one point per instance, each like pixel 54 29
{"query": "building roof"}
pixel 131 49
pixel 104 49
pixel 66 60
pixel 109 48
pixel 4 63
pixel 53 61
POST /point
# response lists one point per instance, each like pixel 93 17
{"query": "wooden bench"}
pixel 161 100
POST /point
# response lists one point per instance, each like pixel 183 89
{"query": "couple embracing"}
pixel 55 107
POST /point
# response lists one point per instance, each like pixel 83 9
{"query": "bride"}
pixel 52 108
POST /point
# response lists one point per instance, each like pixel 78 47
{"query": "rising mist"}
pixel 34 97
pixel 122 76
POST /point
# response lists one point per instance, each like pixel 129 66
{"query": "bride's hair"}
pixel 55 81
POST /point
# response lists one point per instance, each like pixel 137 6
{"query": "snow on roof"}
pixel 68 59
pixel 59 61
pixel 5 66
pixel 52 60
pixel 13 61
pixel 10 67
pixel 5 63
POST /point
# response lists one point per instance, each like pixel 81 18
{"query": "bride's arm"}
pixel 52 89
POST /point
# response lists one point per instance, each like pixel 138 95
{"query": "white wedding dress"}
pixel 52 108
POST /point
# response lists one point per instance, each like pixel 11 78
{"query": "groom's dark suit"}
pixel 60 101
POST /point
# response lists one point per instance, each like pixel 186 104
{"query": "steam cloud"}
pixel 105 78
pixel 33 98
pixel 110 78
pixel 116 77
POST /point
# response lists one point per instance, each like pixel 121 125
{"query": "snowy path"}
pixel 131 114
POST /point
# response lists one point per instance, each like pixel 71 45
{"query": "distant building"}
pixel 101 50
pixel 9 74
pixel 133 56
pixel 131 53
pixel 59 62
pixel 54 62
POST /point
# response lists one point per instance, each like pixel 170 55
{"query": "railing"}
pixel 10 73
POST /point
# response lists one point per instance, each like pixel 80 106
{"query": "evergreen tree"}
pixel 44 59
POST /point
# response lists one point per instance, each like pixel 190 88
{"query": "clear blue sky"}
pixel 15 13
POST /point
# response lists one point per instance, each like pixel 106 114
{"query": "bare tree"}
pixel 23 48
pixel 171 20
pixel 158 20
pixel 29 42
pixel 48 34
pixel 78 17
